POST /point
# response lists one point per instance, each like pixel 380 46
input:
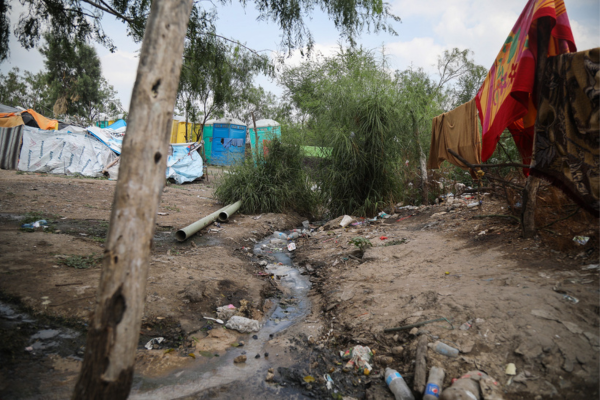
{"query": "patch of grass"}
pixel 32 216
pixel 395 242
pixel 172 208
pixel 81 262
pixel 272 183
pixel 98 239
pixel 361 242
pixel 89 206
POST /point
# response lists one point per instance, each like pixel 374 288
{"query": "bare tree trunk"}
pixel 255 136
pixel 533 183
pixel 422 162
pixel 113 333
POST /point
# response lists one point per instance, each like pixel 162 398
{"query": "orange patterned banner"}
pixel 504 99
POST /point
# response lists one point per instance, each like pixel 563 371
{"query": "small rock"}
pixel 193 243
pixel 315 365
pixel 255 337
pixel 397 350
pixel 239 359
pixel 413 331
pixel 479 321
pixel 271 370
pixel 396 338
pixel 241 343
pixel 384 360
pixel 270 376
pixel 266 355
pixel 257 356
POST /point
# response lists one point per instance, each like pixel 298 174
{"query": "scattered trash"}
pixel 242 324
pixel 192 355
pixel 291 246
pixel 347 220
pixel 280 235
pixel 434 384
pixel 306 224
pixel 590 267
pixel 383 215
pixel 218 321
pixel 571 299
pixel 403 218
pixel 466 325
pixel 444 349
pixel 383 238
pixel 359 357
pixel 473 204
pixel 162 213
pixel 36 224
pixel 226 312
pixel 240 359
pixel 582 240
pixel 150 344
pixel 481 233
pixel 511 369
pixel 293 235
pixel 329 381
pixel 256 218
pixel 471 386
pixel 419 324
pixel 309 379
pixel 29 348
pixel 397 385
pixel 270 375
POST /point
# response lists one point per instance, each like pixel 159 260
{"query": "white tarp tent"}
pixel 63 152
pixel 184 164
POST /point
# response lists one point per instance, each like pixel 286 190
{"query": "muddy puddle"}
pixel 214 373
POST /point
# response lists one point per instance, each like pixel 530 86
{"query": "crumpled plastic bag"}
pixel 242 324
pixel 226 312
pixel 359 357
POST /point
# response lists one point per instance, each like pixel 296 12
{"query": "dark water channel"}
pixel 219 377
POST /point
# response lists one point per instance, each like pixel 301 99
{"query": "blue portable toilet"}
pixel 267 130
pixel 229 141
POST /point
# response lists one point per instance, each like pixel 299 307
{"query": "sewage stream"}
pixel 245 380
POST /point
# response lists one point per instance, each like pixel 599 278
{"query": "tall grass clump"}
pixel 272 183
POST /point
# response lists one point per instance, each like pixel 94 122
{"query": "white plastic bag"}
pixel 243 325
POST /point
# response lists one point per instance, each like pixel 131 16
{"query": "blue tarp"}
pixel 117 124
pixel 184 165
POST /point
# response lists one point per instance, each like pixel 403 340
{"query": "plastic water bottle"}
pixel 397 385
pixel 434 384
pixel 279 235
pixel 293 235
pixel 444 349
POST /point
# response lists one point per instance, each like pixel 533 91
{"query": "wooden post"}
pixel 421 365
pixel 113 333
pixel 544 29
pixel 255 136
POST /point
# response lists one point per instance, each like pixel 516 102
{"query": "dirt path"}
pixel 513 291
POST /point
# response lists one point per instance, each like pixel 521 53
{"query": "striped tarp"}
pixel 10 146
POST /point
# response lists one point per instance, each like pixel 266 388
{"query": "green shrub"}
pixel 272 183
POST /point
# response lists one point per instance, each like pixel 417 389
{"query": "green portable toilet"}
pixel 267 130
pixel 207 135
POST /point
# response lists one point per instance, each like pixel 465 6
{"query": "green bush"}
pixel 272 183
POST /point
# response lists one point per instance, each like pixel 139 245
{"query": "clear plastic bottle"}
pixel 444 349
pixel 397 385
pixel 293 235
pixel 279 235
pixel 434 384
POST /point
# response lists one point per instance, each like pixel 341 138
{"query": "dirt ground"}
pixel 530 302
pixel 441 262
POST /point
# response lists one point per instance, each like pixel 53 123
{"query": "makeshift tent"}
pixel 505 98
pixel 229 141
pixel 10 146
pixel 107 137
pixel 184 164
pixel 267 129
pixel 62 152
pixel 33 119
pixel 117 124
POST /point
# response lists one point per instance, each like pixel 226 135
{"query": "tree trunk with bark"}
pixel 544 29
pixel 422 162
pixel 113 333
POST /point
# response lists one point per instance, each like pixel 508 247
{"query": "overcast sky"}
pixel 427 29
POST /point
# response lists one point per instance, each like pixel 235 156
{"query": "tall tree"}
pixel 74 76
